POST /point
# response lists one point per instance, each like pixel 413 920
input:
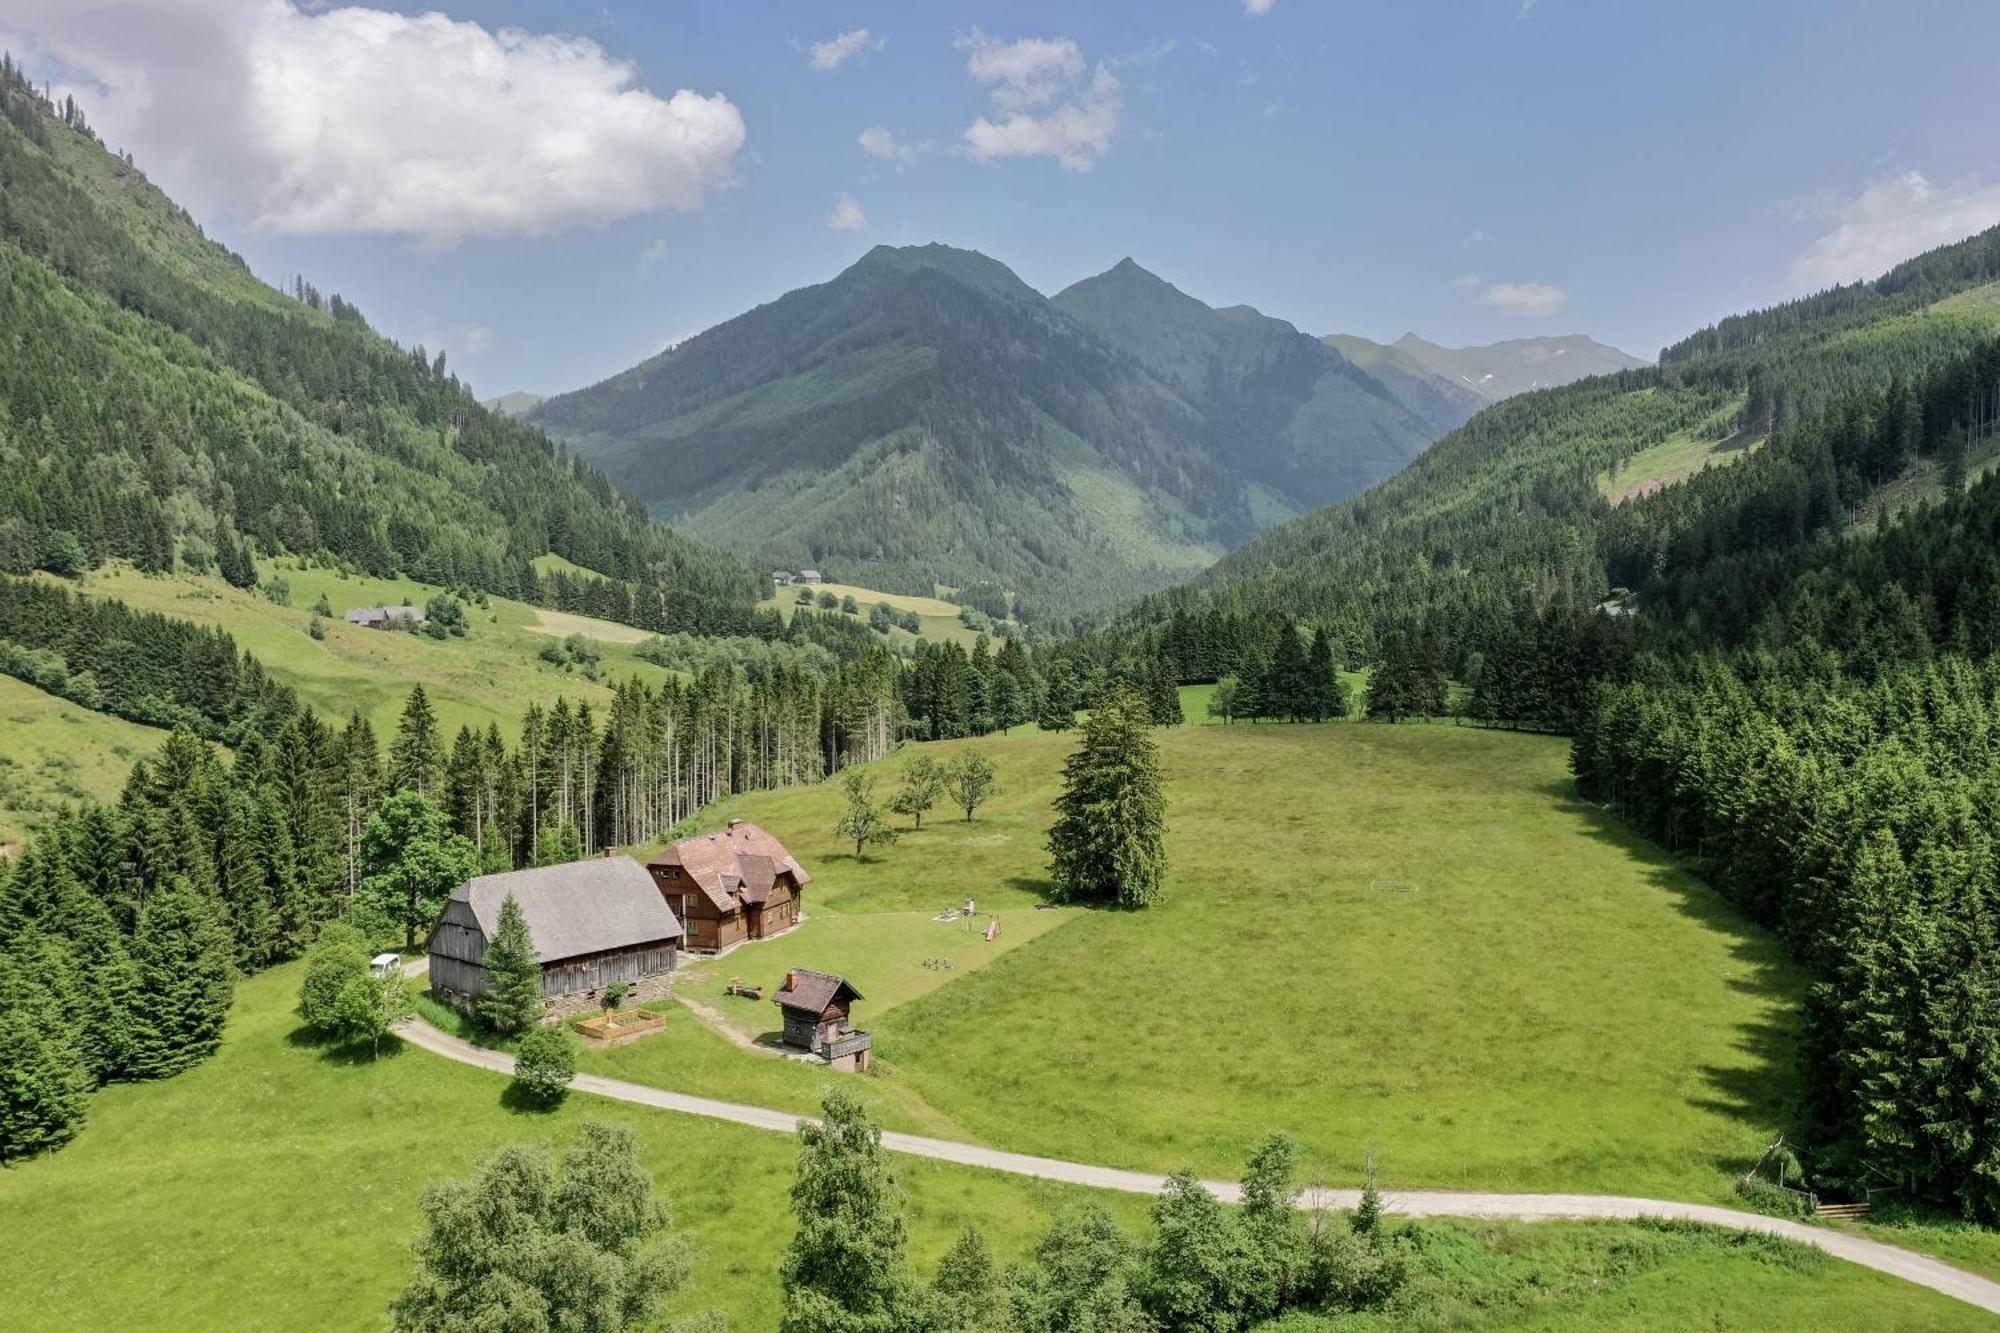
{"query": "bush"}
pixel 1776 1200
pixel 337 957
pixel 278 591
pixel 544 1063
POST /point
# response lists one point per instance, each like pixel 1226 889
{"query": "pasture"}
pixel 57 753
pixel 490 675
pixel 1411 940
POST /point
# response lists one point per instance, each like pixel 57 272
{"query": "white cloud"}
pixel 877 141
pixel 1529 300
pixel 1468 283
pixel 1889 222
pixel 1082 108
pixel 1258 8
pixel 650 257
pixel 1271 109
pixel 1031 72
pixel 846 214
pixel 834 52
pixel 352 120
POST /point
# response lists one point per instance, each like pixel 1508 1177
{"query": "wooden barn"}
pixel 815 1006
pixel 739 884
pixel 593 922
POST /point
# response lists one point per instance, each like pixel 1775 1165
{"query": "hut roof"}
pixel 583 907
pixel 812 992
pixel 734 867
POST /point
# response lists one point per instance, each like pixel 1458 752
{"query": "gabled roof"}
pixel 811 992
pixel 584 907
pixel 734 867
pixel 375 615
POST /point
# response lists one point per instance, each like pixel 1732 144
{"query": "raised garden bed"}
pixel 621 1024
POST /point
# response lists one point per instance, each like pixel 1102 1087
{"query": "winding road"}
pixel 1907 1264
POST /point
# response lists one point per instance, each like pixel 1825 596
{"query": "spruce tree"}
pixel 512 1002
pixel 1058 710
pixel 416 756
pixel 182 953
pixel 1107 844
pixel 44 1082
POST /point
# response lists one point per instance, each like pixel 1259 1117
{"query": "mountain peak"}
pixel 967 266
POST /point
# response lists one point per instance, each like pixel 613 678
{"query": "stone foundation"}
pixel 562 1008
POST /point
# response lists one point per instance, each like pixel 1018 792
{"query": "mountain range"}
pixel 927 418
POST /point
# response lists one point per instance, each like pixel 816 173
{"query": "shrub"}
pixel 1776 1200
pixel 544 1063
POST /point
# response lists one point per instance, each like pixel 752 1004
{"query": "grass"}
pixel 1406 939
pixel 937 617
pixel 1713 443
pixel 1194 700
pixel 57 752
pixel 276 1186
pixel 489 676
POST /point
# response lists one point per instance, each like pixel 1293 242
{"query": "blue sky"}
pixel 1468 170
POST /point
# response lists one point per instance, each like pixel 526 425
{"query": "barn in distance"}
pixel 593 923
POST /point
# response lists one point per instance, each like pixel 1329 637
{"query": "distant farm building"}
pixel 810 576
pixel 781 577
pixel 815 1006
pixel 385 617
pixel 593 923
pixel 728 887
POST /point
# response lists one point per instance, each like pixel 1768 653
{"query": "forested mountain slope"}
pixel 158 402
pixel 926 417
pixel 1513 505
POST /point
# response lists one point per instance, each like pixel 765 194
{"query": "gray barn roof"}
pixel 584 907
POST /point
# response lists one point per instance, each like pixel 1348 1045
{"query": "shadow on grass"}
pixel 517 1100
pixel 1765 1092
pixel 336 1051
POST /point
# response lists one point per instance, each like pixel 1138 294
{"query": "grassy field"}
pixel 1406 939
pixel 56 752
pixel 276 1187
pixel 938 617
pixel 490 675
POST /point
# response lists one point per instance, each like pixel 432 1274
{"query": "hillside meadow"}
pixel 489 676
pixel 56 753
pixel 1406 940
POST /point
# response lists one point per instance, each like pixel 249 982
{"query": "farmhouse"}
pixel 811 576
pixel 739 884
pixel 593 922
pixel 815 1006
pixel 385 617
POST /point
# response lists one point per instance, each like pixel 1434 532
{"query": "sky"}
pixel 550 192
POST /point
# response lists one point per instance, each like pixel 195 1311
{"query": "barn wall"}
pixel 573 976
pixel 452 974
pixel 457 934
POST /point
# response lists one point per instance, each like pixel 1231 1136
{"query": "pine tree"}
pixel 416 756
pixel 512 1003
pixel 1058 710
pixel 182 953
pixel 1107 844
pixel 44 1081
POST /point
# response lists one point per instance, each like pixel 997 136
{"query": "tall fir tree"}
pixel 416 756
pixel 513 1000
pixel 1107 845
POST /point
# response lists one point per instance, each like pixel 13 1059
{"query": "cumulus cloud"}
pixel 1258 8
pixel 357 120
pixel 1046 101
pixel 834 52
pixel 1889 222
pixel 1031 72
pixel 846 214
pixel 878 141
pixel 1529 300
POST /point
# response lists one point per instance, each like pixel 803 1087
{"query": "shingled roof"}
pixel 583 907
pixel 735 867
pixel 811 992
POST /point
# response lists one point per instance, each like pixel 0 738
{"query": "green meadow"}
pixel 1406 940
pixel 489 676
pixel 57 753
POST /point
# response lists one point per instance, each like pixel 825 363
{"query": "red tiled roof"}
pixel 734 867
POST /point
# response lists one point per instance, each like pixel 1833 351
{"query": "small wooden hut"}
pixel 815 1006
